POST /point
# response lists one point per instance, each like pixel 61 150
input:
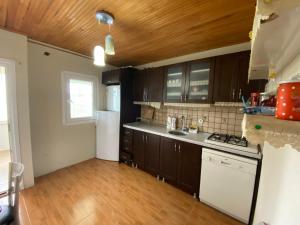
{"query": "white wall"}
pixel 55 146
pixel 14 46
pixel 278 200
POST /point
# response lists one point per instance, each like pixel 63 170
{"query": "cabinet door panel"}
pixel 242 80
pixel 139 86
pixel 168 160
pixel 111 77
pixel 199 81
pixel 138 148
pixel 226 72
pixel 155 84
pixel 174 83
pixel 152 153
pixel 189 164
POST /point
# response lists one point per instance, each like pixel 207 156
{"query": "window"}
pixel 79 98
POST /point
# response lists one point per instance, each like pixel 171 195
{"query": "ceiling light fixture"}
pixel 99 56
pixel 108 19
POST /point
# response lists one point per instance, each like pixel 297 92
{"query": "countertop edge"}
pixel 201 143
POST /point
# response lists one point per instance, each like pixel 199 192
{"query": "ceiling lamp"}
pixel 108 19
pixel 109 45
pixel 99 56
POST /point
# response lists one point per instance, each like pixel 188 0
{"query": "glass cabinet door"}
pixel 197 87
pixel 175 83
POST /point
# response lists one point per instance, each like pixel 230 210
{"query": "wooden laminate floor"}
pixel 101 192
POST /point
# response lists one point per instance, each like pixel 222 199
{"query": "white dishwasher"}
pixel 227 183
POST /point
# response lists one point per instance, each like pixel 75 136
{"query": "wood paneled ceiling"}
pixel 144 30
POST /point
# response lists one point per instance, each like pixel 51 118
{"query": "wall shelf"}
pixel 274 43
pixel 277 132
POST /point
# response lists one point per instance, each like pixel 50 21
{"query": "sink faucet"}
pixel 183 123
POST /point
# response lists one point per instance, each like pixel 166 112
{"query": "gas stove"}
pixel 231 141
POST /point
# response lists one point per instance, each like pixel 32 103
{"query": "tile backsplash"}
pixel 221 119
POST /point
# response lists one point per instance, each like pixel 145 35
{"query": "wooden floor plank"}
pixel 101 192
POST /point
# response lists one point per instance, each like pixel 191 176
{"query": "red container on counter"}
pixel 288 100
pixel 255 98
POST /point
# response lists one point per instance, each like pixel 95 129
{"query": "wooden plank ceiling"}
pixel 144 30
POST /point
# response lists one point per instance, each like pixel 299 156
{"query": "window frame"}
pixel 66 76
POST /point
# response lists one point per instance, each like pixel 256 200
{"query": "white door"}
pixel 9 138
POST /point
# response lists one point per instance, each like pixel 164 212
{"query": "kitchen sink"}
pixel 177 132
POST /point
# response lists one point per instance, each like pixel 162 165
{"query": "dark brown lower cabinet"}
pixel 138 149
pixel 168 160
pixel 146 151
pixel 189 166
pixel 177 162
pixel 152 153
pixel 180 164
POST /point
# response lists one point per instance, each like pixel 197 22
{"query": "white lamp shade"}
pixel 109 45
pixel 99 56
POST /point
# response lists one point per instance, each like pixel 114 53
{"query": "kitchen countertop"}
pixel 198 139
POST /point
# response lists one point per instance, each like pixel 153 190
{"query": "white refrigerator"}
pixel 108 126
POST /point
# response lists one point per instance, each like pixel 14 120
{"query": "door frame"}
pixel 12 111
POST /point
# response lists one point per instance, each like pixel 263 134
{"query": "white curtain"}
pixel 3 103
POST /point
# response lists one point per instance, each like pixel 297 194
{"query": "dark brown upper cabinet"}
pixel 139 86
pixel 154 84
pixel 242 79
pixel 189 82
pixel 231 77
pixel 226 72
pixel 175 83
pixel 148 85
pixel 111 77
pixel 199 81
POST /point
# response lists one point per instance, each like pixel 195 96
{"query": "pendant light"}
pixel 99 56
pixel 99 53
pixel 109 43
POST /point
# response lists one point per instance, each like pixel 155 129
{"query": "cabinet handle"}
pixel 233 93
pixel 240 93
pixel 146 138
pixel 179 148
pixel 175 147
pixel 143 138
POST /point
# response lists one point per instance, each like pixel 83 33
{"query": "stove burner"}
pixel 218 137
pixel 224 138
